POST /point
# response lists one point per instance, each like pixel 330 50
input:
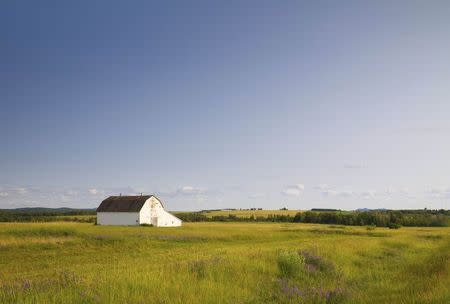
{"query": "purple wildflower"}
pixel 26 285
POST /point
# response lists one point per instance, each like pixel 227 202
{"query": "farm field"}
pixel 66 262
pixel 248 213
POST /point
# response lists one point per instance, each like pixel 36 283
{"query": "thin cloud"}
pixel 293 190
pixel 19 190
pixel 322 187
pixel 390 191
pixel 438 192
pixel 185 191
pixel 369 194
pixel 346 193
pixel 189 190
pixel 330 192
pixel 354 166
pixel 93 191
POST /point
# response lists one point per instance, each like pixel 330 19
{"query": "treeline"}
pixel 385 218
pixel 388 218
pixel 379 218
pixel 47 215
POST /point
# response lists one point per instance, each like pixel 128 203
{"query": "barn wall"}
pixel 152 212
pixel 160 217
pixel 118 218
pixel 165 219
pixel 145 214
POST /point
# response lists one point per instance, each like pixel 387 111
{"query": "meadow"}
pixel 233 262
pixel 248 213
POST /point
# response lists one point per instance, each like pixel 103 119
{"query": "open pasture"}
pixel 249 213
pixel 64 262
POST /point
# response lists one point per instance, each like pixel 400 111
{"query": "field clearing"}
pixel 66 262
pixel 248 213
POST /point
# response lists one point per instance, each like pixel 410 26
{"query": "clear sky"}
pixel 211 104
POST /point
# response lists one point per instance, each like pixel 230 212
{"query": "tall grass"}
pixel 222 263
pixel 40 232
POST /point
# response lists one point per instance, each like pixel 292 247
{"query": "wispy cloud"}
pixel 57 197
pixel 354 166
pixel 438 192
pixel 71 192
pixel 368 194
pixel 93 191
pixel 19 190
pixel 346 193
pixel 328 191
pixel 190 190
pixel 390 190
pixel 322 187
pixel 293 190
pixel 186 191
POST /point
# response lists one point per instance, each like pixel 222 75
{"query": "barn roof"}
pixel 123 203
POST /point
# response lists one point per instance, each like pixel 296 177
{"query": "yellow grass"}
pixel 248 213
pixel 222 263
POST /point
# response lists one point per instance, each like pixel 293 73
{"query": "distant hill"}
pixel 42 214
pixel 43 210
pixel 367 209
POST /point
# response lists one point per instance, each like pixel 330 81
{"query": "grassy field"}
pixel 222 263
pixel 248 213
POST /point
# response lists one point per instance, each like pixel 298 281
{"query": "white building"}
pixel 135 210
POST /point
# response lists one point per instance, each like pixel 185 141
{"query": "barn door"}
pixel 155 221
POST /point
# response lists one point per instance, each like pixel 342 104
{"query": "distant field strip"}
pixel 248 213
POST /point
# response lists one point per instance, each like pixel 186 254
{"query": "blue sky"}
pixel 240 104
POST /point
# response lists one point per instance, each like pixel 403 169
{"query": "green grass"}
pixel 248 213
pixel 67 262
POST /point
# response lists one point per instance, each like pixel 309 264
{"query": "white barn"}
pixel 135 210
